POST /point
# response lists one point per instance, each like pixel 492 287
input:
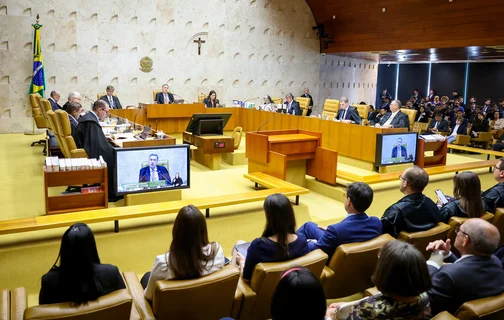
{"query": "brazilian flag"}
pixel 38 80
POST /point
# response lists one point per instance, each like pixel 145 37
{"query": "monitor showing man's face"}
pixel 153 160
pixel 399 142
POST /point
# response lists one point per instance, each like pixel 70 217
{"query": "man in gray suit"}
pixel 395 118
pixel 112 100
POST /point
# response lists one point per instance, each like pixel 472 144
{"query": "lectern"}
pixel 274 152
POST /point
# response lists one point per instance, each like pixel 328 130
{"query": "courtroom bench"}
pixel 153 209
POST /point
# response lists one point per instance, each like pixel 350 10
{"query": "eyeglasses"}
pixel 401 178
pixel 457 230
pixel 497 168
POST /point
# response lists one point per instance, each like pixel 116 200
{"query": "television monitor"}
pixel 396 148
pixel 153 168
pixel 208 123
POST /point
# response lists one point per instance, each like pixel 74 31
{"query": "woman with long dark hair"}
pixel 80 276
pixel 191 255
pixel 278 242
pixel 467 194
pixel 211 101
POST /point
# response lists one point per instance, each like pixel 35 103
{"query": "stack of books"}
pixel 432 137
pixel 55 164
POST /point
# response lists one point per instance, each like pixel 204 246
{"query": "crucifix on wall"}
pixel 199 42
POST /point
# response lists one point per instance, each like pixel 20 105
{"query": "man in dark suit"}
pixel 90 137
pixel 346 113
pixel 414 212
pixel 164 97
pixel 386 104
pixel 72 97
pixel 494 197
pixel 395 118
pixel 399 150
pixel 475 275
pixel 438 124
pixel 113 101
pixel 460 127
pixel 306 94
pixel 153 172
pixel 431 95
pixel 74 111
pixel 385 95
pixel 356 227
pixel 292 105
pixel 53 99
pixel 416 95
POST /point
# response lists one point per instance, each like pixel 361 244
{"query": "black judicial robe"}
pixel 90 137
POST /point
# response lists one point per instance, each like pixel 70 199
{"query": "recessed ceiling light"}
pixel 383 9
pixel 334 17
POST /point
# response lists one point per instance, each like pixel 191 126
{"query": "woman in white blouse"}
pixel 191 255
pixel 269 105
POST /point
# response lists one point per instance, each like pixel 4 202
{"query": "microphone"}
pixel 140 180
pixel 134 118
pixel 92 101
pixel 180 97
pixel 250 99
pixel 262 125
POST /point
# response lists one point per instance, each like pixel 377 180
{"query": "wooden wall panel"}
pixel 361 25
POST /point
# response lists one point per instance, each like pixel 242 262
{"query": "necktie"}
pixel 154 176
pixel 166 98
pixel 436 125
pixel 111 102
pixel 344 114
pixel 399 152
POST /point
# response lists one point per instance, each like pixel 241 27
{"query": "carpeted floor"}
pixel 25 257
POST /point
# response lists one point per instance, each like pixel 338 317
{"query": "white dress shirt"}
pixel 454 133
pixel 389 121
pixel 154 174
pixel 111 101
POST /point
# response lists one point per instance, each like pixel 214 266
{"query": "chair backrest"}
pixel 445 315
pixel 237 136
pixel 57 130
pixel 208 297
pixel 201 97
pixel 498 221
pixel 331 105
pixel 421 239
pixel 303 104
pixel 115 305
pixel 266 276
pixel 161 162
pixel 38 117
pixel 491 308
pixel 411 115
pixel 363 110
pixel 353 265
pixel 45 106
pixel 154 93
pixel 277 100
pixel 66 134
pixel 420 127
pixel 454 222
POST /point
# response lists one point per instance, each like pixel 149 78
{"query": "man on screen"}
pixel 399 150
pixel 154 172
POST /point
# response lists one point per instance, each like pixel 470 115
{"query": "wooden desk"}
pixel 270 152
pixel 437 159
pixel 209 149
pixel 158 111
pixel 133 143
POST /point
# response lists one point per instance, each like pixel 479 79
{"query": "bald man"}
pixel 414 212
pixel 475 275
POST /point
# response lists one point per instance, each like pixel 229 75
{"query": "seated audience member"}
pixel 438 124
pixel 487 106
pixel 72 97
pixel 306 94
pixel 467 202
pixel 372 115
pixel 436 101
pixel 164 97
pixel 395 118
pixel 356 227
pixel 298 295
pixel 381 113
pixel 475 275
pixel 494 197
pixel 292 105
pixel 422 115
pixel 385 95
pixel 498 121
pixel 269 105
pixel 386 104
pixel 346 113
pixel 112 100
pixel 402 278
pixel 474 114
pixel 74 111
pixel 480 124
pixel 53 99
pixel 499 146
pixel 89 136
pixel 211 101
pixel 278 242
pixel 191 255
pixel 453 118
pixel 414 212
pixel 459 128
pixel 80 276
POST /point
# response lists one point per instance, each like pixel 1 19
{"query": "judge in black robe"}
pixel 90 137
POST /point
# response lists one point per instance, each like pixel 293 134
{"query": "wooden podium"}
pixel 439 149
pixel 209 149
pixel 273 152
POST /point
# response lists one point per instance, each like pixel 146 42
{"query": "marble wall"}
pixel 252 48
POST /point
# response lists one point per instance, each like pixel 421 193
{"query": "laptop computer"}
pixel 144 134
